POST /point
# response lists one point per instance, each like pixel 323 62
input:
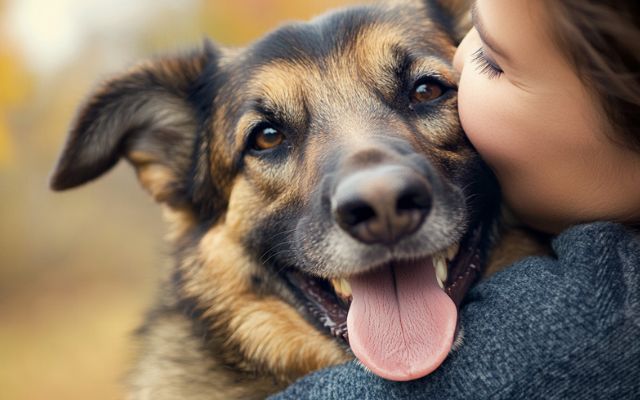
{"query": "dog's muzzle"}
pixel 405 255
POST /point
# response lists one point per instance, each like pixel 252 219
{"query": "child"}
pixel 550 96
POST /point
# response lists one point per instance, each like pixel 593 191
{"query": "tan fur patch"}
pixel 280 85
pixel 155 178
pixel 269 333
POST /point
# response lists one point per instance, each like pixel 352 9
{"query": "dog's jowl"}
pixel 322 199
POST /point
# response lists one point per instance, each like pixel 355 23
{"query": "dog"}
pixel 320 195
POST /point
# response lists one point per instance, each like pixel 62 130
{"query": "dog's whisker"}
pixel 274 252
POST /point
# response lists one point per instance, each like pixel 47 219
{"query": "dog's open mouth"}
pixel 400 319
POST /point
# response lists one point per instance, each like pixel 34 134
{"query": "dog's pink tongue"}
pixel 401 323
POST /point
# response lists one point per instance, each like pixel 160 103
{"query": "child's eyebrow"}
pixel 484 36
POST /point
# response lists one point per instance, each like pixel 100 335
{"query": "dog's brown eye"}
pixel 267 138
pixel 425 91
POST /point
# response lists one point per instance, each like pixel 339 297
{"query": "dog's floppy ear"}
pixel 147 115
pixel 459 12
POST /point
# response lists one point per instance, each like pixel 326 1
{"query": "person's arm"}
pixel 553 328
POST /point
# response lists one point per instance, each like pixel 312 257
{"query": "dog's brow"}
pixel 407 64
pixel 281 112
pixel 276 90
pixel 402 61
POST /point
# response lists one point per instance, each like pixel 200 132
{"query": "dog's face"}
pixel 326 158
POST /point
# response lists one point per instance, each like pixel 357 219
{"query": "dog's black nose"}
pixel 381 205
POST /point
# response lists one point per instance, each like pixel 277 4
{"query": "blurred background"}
pixel 77 269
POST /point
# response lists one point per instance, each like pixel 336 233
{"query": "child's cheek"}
pixel 480 121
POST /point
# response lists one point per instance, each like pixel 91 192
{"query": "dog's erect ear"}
pixel 150 115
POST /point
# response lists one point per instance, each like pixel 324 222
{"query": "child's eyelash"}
pixel 485 65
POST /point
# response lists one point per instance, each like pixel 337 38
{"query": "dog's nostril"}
pixel 414 199
pixel 354 212
pixel 381 205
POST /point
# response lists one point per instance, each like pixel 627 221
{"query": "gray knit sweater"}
pixel 566 327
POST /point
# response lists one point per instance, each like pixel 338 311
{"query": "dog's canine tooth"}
pixel 440 264
pixel 346 287
pixel 452 251
pixel 336 284
pixel 341 287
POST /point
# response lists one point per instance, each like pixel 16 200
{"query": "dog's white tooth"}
pixel 435 260
pixel 346 287
pixel 440 283
pixel 341 287
pixel 336 284
pixel 452 251
pixel 441 268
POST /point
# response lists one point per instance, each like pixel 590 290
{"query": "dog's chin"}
pixel 400 318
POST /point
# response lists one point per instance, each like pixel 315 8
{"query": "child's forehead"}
pixel 518 33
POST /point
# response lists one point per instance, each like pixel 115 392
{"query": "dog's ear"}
pixel 149 115
pixel 459 14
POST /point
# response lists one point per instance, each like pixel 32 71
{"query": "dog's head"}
pixel 328 154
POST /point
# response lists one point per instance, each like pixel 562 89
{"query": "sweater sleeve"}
pixel 566 327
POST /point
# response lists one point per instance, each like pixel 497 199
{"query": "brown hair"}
pixel 602 41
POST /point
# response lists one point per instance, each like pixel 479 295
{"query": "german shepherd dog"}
pixel 322 198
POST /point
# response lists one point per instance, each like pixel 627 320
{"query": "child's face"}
pixel 530 117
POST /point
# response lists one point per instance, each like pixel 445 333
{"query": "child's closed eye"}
pixel 486 65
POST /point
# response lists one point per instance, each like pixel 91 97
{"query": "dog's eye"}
pixel 426 90
pixel 266 138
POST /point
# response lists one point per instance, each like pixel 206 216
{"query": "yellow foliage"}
pixel 6 147
pixel 14 83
